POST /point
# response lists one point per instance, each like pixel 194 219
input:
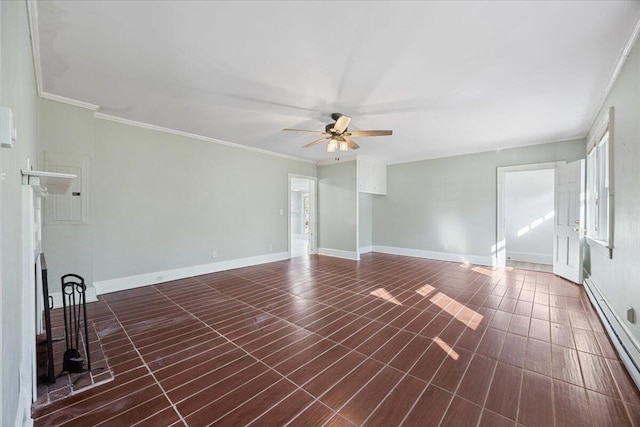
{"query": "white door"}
pixel 569 221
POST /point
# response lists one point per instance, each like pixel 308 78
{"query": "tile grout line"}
pixel 284 377
pixel 249 354
pixel 407 374
pixel 146 365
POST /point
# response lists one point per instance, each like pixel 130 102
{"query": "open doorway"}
pixel 302 208
pixel 525 219
pixel 529 212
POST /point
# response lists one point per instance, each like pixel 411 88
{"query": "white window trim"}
pixel 606 125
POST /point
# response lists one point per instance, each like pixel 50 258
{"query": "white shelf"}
pixel 48 182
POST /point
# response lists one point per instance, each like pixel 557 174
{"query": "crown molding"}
pixel 109 117
pixel 70 101
pixel 622 59
pixel 32 15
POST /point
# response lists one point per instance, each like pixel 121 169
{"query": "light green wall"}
pixel 617 278
pixel 17 91
pixel 337 198
pixel 449 204
pixel 69 248
pixel 159 201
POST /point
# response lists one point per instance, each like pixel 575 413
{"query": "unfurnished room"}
pixel 320 213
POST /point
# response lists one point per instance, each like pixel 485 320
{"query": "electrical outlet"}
pixel 214 254
pixel 631 314
pixel 270 248
pixel 159 278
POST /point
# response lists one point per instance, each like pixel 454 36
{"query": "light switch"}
pixel 281 212
pixel 7 131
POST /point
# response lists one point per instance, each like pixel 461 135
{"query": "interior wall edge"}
pixel 339 253
pixel 153 278
pixel 440 256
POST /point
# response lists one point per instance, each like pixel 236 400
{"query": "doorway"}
pixel 302 209
pixel 525 216
pixel 529 212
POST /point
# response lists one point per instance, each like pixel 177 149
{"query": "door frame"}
pixel 313 212
pixel 499 250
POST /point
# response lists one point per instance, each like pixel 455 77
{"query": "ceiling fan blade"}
pixel 317 141
pixel 369 133
pixel 341 124
pixel 352 144
pixel 303 130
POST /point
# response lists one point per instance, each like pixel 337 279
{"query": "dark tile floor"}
pixel 67 384
pixel 385 341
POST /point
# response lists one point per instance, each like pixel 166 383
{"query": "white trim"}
pixel 441 256
pixel 625 343
pixel 28 364
pixel 70 101
pixel 498 256
pixel 32 16
pixel 366 249
pixel 143 125
pixel 313 211
pixel 530 257
pixel 131 282
pixel 23 411
pixel 56 297
pixel 622 59
pixel 339 253
pixel 469 153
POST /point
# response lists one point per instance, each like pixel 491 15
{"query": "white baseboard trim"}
pixel 23 411
pixel 530 257
pixel 366 249
pixel 441 256
pixel 339 253
pixel 90 295
pixel 626 345
pixel 131 282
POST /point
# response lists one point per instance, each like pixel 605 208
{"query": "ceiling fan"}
pixel 338 134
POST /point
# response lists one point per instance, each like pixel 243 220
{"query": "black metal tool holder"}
pixel 75 312
pixel 48 305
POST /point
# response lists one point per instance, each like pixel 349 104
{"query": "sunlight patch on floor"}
pixel 385 295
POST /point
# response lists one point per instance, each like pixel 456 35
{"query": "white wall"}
pixel 337 215
pixel 18 91
pixel 617 278
pixel 529 208
pixel 159 201
pixel 365 225
pixel 448 205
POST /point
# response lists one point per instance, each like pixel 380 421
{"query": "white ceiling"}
pixel 447 77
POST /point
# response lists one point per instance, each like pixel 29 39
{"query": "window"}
pixel 599 188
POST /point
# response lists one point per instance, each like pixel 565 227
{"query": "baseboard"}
pixel 366 249
pixel 131 282
pixel 441 256
pixel 338 253
pixel 57 297
pixel 530 257
pixel 626 345
pixel 23 411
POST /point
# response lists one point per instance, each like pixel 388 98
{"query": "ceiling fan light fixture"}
pixel 332 146
pixel 343 146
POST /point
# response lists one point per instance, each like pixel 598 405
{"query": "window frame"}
pixel 599 189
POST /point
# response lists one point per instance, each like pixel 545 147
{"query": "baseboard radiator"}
pixel 623 341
